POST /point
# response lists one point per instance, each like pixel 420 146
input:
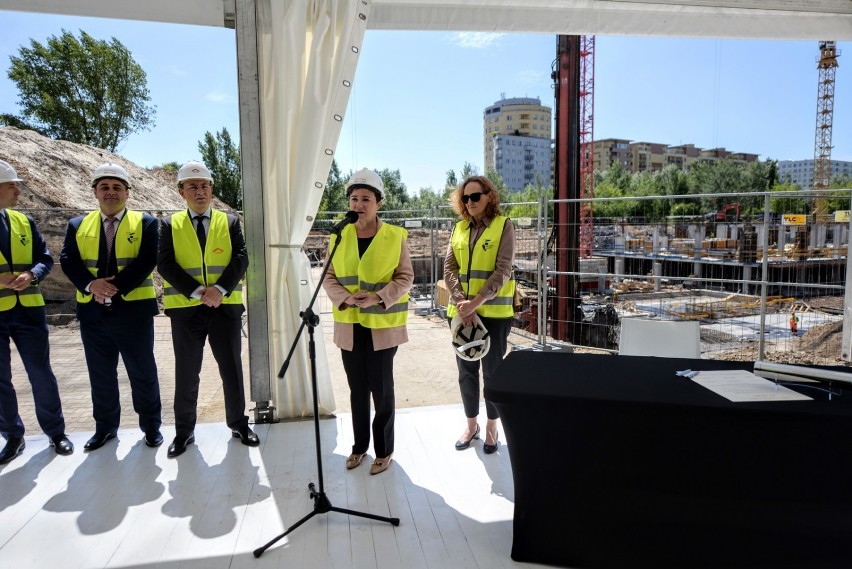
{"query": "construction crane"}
pixel 587 165
pixel 827 65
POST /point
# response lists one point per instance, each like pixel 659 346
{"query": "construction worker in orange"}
pixel 794 324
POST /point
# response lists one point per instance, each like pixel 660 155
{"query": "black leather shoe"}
pixel 153 439
pixel 462 444
pixel 246 435
pixel 62 445
pixel 179 445
pixel 13 449
pixel 98 440
pixel 491 449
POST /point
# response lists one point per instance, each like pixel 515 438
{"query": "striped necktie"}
pixel 109 228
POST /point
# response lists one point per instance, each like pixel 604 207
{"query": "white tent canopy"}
pixel 766 19
pixel 296 63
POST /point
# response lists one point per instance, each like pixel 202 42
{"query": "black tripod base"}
pixel 322 505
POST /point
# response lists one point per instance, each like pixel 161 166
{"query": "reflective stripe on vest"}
pixel 482 260
pixel 21 245
pixel 128 242
pixel 370 273
pixel 217 255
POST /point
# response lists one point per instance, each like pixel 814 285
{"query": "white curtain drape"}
pixel 307 53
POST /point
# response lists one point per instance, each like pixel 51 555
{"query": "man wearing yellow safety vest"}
pixel 24 261
pixel 109 255
pixel 203 260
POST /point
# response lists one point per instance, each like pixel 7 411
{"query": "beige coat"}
pixel 383 338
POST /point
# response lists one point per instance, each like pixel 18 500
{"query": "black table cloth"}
pixel 618 462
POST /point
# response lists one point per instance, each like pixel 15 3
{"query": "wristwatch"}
pixel 35 280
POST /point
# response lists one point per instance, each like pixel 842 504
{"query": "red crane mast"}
pixel 587 122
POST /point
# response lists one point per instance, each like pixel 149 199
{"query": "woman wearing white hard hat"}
pixel 478 273
pixel 368 282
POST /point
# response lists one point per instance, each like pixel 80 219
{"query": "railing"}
pixel 742 279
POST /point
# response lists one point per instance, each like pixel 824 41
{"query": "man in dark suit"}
pixel 202 260
pixel 110 254
pixel 24 261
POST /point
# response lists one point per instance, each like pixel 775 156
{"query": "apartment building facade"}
pixel 640 156
pixel 517 141
pixel 801 172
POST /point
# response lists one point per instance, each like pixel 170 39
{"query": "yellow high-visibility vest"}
pixel 475 267
pixel 370 273
pixel 206 268
pixel 128 242
pixel 21 245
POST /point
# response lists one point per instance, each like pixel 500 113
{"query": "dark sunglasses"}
pixel 474 197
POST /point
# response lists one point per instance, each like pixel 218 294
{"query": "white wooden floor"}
pixel 126 505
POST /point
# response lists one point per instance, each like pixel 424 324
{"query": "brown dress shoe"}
pixel 380 464
pixel 354 460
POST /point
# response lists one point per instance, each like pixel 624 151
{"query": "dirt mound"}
pixel 821 345
pixel 57 174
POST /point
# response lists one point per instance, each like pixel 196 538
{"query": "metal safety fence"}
pixel 762 275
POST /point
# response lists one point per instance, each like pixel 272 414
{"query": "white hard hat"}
pixel 110 170
pixel 7 173
pixel 193 170
pixel 366 177
pixel 470 343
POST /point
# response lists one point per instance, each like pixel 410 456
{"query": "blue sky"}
pixel 418 97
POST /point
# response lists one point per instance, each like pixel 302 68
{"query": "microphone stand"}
pixel 322 504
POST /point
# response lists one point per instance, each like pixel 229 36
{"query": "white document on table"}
pixel 743 386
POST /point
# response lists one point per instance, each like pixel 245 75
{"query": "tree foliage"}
pixel 82 90
pixel 222 156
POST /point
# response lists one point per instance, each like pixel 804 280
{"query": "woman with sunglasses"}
pixel 478 274
pixel 367 283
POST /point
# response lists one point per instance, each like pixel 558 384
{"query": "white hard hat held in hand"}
pixel 470 343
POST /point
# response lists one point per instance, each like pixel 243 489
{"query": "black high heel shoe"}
pixel 462 444
pixel 491 449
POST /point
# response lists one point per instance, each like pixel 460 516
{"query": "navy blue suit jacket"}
pixel 126 280
pixel 42 265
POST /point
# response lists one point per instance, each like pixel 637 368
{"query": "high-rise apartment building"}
pixel 801 172
pixel 518 143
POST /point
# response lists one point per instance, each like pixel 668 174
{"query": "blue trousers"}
pixel 27 327
pixel 103 341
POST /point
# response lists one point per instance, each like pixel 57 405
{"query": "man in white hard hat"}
pixel 109 255
pixel 203 260
pixel 24 262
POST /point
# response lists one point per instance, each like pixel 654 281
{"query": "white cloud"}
pixel 219 97
pixel 531 77
pixel 175 70
pixel 475 40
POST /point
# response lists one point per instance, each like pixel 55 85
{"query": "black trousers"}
pixel 498 332
pixel 103 341
pixel 222 328
pixel 370 372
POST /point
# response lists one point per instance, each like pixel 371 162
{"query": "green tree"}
pixel 426 198
pixel 82 90
pixel 334 195
pixel 222 156
pixel 396 197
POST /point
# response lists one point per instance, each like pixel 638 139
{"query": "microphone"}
pixel 350 217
